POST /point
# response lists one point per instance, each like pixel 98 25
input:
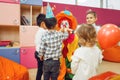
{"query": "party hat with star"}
pixel 49 12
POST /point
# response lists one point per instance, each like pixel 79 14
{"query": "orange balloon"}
pixel 108 36
pixel 112 54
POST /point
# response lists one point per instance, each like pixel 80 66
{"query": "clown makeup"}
pixel 64 24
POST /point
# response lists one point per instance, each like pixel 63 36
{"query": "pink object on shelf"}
pixel 4 43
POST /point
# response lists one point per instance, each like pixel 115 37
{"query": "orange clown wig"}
pixel 66 15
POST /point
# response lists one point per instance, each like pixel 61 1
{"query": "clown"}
pixel 66 19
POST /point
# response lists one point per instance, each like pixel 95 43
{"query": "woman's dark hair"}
pixel 91 12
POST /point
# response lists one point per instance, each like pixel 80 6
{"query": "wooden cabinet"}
pixel 10 53
pixel 18 24
pixel 27 35
pixel 27 57
pixel 9 14
pixel 27 46
pixel 31 2
pixel 10 1
pixel 27 31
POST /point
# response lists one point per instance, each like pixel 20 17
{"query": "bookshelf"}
pixel 29 14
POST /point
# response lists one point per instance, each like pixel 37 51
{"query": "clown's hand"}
pixel 62 30
pixel 70 30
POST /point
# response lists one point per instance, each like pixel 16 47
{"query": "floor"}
pixel 104 66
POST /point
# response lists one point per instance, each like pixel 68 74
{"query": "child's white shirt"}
pixel 38 36
pixel 85 60
pixel 97 28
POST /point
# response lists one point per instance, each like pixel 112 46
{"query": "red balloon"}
pixel 108 36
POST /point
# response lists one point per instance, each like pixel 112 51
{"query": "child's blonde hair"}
pixel 87 35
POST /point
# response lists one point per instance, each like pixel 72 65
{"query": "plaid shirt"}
pixel 51 44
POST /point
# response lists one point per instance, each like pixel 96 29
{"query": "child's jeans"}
pixel 40 67
pixel 51 69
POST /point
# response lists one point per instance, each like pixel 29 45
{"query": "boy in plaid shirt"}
pixel 50 49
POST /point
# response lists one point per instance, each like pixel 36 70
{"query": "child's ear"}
pixel 42 23
pixel 96 19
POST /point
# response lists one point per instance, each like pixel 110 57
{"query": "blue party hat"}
pixel 49 12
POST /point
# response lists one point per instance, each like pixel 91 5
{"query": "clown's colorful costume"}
pixel 66 19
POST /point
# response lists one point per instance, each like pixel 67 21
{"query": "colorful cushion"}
pixel 104 76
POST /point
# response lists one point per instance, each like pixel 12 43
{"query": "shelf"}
pixel 29 14
pixel 10 33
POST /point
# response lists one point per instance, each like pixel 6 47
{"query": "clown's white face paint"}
pixel 64 24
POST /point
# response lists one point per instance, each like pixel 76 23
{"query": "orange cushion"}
pixel 116 78
pixel 104 76
pixel 10 70
pixel 112 54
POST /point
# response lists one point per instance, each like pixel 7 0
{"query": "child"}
pixel 41 24
pixel 50 49
pixel 86 58
pixel 91 18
